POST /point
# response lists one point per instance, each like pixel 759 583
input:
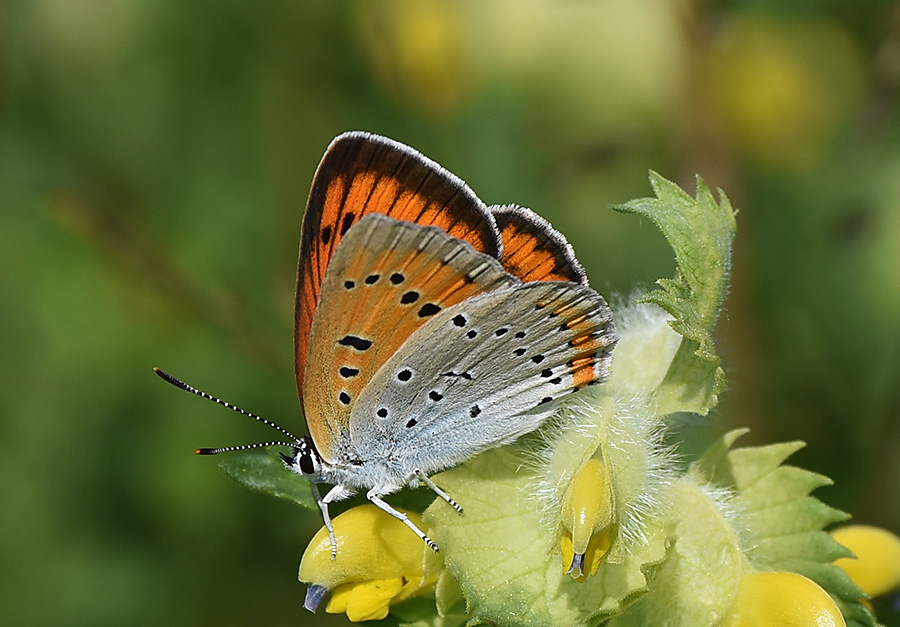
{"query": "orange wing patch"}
pixel 385 281
pixel 533 250
pixel 589 339
pixel 361 174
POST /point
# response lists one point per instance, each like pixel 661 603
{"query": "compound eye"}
pixel 305 461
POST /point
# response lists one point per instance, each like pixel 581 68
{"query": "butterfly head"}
pixel 305 459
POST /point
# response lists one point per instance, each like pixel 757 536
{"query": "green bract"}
pixel 701 232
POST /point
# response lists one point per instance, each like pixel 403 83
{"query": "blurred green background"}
pixel 155 158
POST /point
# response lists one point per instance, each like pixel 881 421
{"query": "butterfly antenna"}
pixel 215 451
pixel 242 447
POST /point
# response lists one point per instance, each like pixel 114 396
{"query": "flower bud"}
pixel 587 517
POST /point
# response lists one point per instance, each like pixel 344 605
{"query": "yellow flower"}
pixel 587 517
pixel 379 563
pixel 420 51
pixel 876 568
pixel 784 599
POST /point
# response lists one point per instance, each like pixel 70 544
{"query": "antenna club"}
pixel 162 374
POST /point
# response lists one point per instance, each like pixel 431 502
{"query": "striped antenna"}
pixel 165 376
pixel 242 447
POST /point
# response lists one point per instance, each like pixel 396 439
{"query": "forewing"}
pixel 387 278
pixel 482 373
pixel 363 173
pixel 532 249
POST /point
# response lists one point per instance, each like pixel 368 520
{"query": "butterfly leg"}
pixel 372 496
pixel 336 493
pixel 421 477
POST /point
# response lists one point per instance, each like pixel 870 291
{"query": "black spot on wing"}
pixel 464 375
pixel 358 343
pixel 347 223
pixel 428 309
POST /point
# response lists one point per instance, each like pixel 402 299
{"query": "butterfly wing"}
pixel 386 279
pixel 482 373
pixel 362 173
pixel 532 249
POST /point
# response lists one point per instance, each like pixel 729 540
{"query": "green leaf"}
pixel 782 525
pixel 265 472
pixel 506 559
pixel 700 232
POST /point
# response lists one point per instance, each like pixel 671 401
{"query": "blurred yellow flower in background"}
pixel 876 568
pixel 784 90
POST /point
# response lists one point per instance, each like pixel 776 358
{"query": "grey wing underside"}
pixel 481 373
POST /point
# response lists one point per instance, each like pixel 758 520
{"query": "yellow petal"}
pixel 876 568
pixel 592 558
pixel 567 553
pixel 340 597
pixel 783 599
pixel 597 550
pixel 368 600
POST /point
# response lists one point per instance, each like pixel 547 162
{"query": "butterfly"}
pixel 428 326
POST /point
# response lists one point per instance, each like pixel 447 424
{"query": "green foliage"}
pixel 701 232
pixel 263 471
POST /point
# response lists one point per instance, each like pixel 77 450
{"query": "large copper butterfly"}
pixel 428 326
